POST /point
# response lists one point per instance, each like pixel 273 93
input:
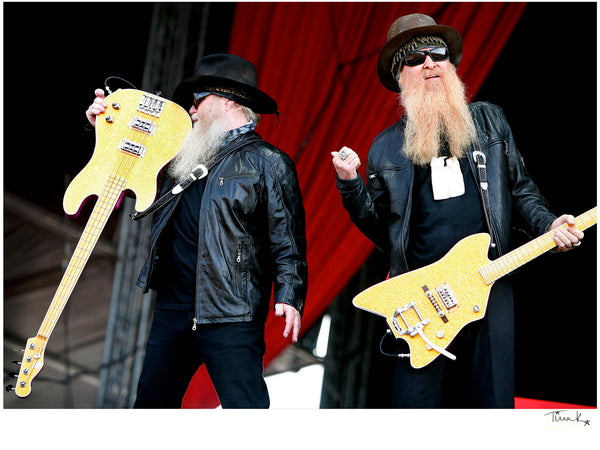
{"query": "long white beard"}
pixel 436 115
pixel 200 146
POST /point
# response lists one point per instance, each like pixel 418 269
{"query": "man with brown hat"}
pixel 219 246
pixel 445 171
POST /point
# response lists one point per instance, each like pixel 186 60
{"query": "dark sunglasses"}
pixel 418 56
pixel 198 97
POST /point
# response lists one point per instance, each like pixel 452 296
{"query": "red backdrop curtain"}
pixel 318 60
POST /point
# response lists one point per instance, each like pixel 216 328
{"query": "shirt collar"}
pixel 232 134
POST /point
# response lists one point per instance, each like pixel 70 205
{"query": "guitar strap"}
pixel 480 164
pixel 200 171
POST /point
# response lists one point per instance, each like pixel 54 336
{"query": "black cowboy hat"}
pixel 405 28
pixel 229 76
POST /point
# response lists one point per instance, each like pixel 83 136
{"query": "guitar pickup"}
pixel 143 125
pixel 436 305
pixel 447 296
pixel 133 148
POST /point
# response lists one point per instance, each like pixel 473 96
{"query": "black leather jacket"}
pixel 252 236
pixel 381 210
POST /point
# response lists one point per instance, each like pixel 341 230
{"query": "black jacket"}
pixel 252 236
pixel 381 209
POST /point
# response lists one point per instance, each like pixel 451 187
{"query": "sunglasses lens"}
pixel 414 59
pixel 198 97
pixel 439 53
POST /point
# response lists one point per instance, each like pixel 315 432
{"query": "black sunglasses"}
pixel 418 56
pixel 198 97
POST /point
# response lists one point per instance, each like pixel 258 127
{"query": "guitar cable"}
pixel 116 78
pixel 395 355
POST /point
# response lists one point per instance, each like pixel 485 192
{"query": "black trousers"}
pixel 445 383
pixel 232 352
pixel 482 376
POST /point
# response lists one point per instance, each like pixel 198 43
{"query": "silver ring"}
pixel 577 245
pixel 343 155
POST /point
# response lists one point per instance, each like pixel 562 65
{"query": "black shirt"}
pixel 436 225
pixel 179 252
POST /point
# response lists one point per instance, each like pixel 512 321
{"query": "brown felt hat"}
pixel 403 30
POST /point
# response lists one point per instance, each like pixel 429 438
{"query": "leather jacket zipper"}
pixel 239 267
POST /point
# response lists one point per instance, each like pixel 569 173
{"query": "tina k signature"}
pixel 568 416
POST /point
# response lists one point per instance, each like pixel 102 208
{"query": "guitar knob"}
pixel 110 119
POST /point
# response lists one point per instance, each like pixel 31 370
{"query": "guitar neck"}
pixel 96 223
pixel 522 255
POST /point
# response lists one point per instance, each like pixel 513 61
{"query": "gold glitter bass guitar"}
pixel 137 135
pixel 429 306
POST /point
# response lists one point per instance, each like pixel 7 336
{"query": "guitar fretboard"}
pixel 96 223
pixel 522 255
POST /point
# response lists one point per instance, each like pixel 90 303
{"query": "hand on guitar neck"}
pixel 566 237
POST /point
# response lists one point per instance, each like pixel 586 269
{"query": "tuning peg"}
pixel 9 388
pixel 17 362
pixel 13 375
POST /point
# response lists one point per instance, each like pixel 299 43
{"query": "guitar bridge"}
pixel 151 105
pixel 410 330
pixel 435 304
pixel 417 328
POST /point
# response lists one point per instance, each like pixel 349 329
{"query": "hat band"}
pixel 226 92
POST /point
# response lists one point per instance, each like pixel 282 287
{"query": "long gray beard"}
pixel 435 117
pixel 200 146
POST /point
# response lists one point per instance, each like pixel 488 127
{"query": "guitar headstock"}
pixel 31 365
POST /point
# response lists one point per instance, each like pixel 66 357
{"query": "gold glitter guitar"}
pixel 429 306
pixel 137 135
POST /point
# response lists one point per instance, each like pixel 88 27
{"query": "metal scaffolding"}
pixel 356 374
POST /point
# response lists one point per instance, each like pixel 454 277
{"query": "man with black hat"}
pixel 218 247
pixel 446 170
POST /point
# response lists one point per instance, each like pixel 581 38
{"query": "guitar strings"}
pixel 107 200
pixel 517 257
